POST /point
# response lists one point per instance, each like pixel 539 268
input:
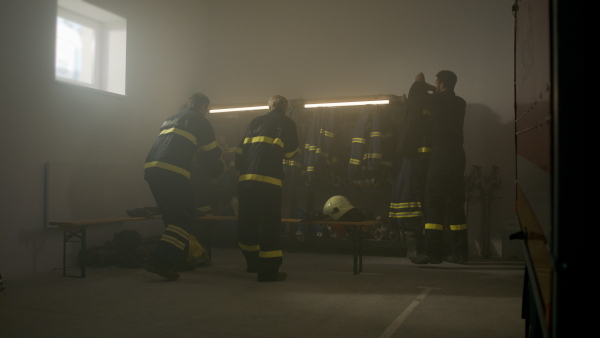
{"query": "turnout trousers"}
pixel 259 227
pixel 445 204
pixel 175 201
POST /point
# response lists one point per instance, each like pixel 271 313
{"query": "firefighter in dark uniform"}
pixel 268 140
pixel 183 137
pixel 413 150
pixel 444 187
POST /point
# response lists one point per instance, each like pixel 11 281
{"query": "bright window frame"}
pixel 95 58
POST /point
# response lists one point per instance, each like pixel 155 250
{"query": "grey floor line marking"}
pixel 400 319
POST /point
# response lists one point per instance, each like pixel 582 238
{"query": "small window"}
pixel 90 46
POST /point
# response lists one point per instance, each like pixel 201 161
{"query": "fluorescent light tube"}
pixel 225 110
pixel 341 104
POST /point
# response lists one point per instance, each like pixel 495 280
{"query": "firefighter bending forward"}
pixel 268 140
pixel 182 138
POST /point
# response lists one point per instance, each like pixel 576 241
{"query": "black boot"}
pixel 411 244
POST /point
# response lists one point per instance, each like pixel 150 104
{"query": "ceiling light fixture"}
pixel 226 110
pixel 342 104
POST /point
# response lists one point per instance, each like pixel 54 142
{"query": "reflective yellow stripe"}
pixel 178 231
pixel 358 140
pixel 209 146
pixel 327 133
pixel 180 132
pixel 354 161
pixel 405 205
pixel 310 168
pixel 433 226
pixel 458 227
pixel 264 139
pixel 375 134
pixel 291 154
pixel 270 254
pixel 205 208
pixel 260 178
pixel 424 150
pixel 372 155
pixel 169 167
pixel 406 214
pixel 173 240
pixel 249 247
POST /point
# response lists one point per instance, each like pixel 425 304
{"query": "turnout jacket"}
pixel 268 141
pixel 415 134
pixel 182 138
pixel 447 119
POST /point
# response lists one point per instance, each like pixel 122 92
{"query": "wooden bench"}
pixel 76 231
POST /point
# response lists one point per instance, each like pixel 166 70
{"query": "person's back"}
pixel 178 142
pixel 267 140
pixel 444 187
pixel 447 118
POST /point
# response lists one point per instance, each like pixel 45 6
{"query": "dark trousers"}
pixel 445 203
pixel 175 201
pixel 259 226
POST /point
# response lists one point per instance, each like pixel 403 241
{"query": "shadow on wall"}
pixel 489 142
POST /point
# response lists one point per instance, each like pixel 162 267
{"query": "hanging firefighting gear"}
pixel 358 147
pixel 412 150
pixel 370 148
pixel 319 150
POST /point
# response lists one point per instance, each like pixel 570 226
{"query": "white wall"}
pixel 235 51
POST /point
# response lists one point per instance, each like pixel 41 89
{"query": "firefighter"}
pixel 183 137
pixel 267 141
pixel 413 149
pixel 444 186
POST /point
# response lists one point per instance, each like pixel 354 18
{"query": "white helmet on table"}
pixel 337 206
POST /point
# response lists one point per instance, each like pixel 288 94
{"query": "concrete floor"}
pixel 321 298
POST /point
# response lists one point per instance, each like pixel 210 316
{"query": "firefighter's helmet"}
pixel 337 206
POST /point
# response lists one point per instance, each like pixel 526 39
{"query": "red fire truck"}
pixel 548 132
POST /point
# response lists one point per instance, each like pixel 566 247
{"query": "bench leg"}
pixel 65 240
pixel 83 260
pixel 68 237
pixel 357 245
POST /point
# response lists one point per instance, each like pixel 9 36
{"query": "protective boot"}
pixel 460 248
pixel 433 241
pixel 411 244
